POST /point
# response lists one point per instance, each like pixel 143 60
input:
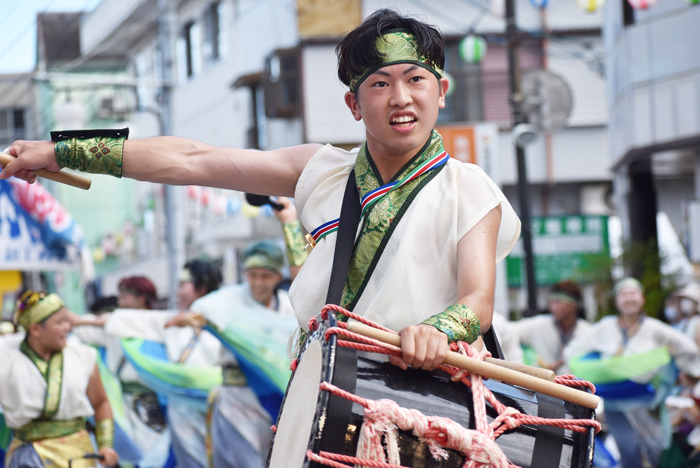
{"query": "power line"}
pixel 22 33
pixel 8 14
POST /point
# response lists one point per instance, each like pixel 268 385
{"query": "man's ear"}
pixel 34 329
pixel 353 105
pixel 444 86
pixel 201 291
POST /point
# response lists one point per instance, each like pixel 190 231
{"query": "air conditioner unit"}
pixel 109 106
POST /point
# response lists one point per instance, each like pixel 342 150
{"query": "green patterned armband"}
pixel 92 151
pixel 294 240
pixel 104 433
pixel 458 322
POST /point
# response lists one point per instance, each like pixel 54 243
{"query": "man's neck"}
pixel 387 163
pixel 40 350
pixel 628 320
pixel 568 322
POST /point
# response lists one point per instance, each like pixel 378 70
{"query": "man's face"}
pixel 561 310
pixel 629 301
pixel 187 294
pixel 54 331
pixel 262 283
pixel 129 300
pixel 399 105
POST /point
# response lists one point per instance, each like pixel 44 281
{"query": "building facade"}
pixel 654 101
pixel 262 74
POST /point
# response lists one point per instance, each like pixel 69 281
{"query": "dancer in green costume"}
pixel 426 253
pixel 48 387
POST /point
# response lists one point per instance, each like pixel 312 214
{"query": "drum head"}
pixel 296 421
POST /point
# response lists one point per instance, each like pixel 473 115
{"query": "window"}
pixel 187 39
pixel 213 47
pixel 189 51
pixel 281 84
pixel 12 126
pixel 627 13
pixel 465 103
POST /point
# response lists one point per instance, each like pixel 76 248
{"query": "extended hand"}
pixel 288 213
pixel 186 319
pixel 423 346
pixel 31 155
pixel 110 457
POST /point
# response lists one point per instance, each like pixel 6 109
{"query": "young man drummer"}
pixel 425 258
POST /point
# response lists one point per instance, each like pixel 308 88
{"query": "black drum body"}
pixel 318 421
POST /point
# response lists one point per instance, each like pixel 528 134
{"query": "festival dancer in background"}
pixel 433 227
pixel 48 387
pixel 548 334
pixel 143 423
pixel 627 356
pixel 186 369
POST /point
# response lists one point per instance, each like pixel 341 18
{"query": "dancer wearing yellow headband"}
pixel 48 387
pixel 432 227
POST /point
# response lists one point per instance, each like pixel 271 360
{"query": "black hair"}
pixel 104 304
pixel 205 274
pixel 358 52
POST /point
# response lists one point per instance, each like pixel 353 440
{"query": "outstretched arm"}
pixel 179 161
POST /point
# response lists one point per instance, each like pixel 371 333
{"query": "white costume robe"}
pixel 154 445
pixel 416 276
pixel 23 392
pixel 186 422
pixel 542 334
pixel 239 405
pixel 606 338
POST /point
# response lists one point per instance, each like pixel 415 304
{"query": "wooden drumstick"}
pixel 490 370
pixel 63 177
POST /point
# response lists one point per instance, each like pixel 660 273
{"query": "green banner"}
pixel 565 247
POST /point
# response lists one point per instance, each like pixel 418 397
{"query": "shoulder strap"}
pixel 492 344
pixel 345 241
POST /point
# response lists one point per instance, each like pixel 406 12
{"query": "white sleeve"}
pixel 90 334
pixel 133 323
pixel 685 351
pixel 321 175
pixel 524 328
pixel 478 195
pixel 583 343
pixel 508 338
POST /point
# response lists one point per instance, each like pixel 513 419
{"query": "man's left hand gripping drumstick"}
pixel 28 159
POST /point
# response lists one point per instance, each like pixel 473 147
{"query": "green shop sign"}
pixel 566 247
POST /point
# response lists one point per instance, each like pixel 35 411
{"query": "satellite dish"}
pixel 547 99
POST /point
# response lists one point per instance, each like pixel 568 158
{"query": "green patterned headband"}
pixel 563 297
pixel 37 307
pixel 262 261
pixel 397 46
pixel 628 282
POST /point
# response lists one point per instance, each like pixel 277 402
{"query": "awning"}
pixel 36 232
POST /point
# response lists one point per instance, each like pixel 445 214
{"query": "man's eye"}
pixel 379 84
pixel 416 79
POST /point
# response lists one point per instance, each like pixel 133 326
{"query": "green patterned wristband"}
pixel 97 155
pixel 458 322
pixel 104 433
pixel 294 240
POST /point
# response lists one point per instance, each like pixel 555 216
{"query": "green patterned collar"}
pixel 365 156
pixel 52 371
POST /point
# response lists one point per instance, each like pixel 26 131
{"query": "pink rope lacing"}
pixel 383 418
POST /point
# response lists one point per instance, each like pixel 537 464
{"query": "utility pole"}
pixel 516 101
pixel 175 239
